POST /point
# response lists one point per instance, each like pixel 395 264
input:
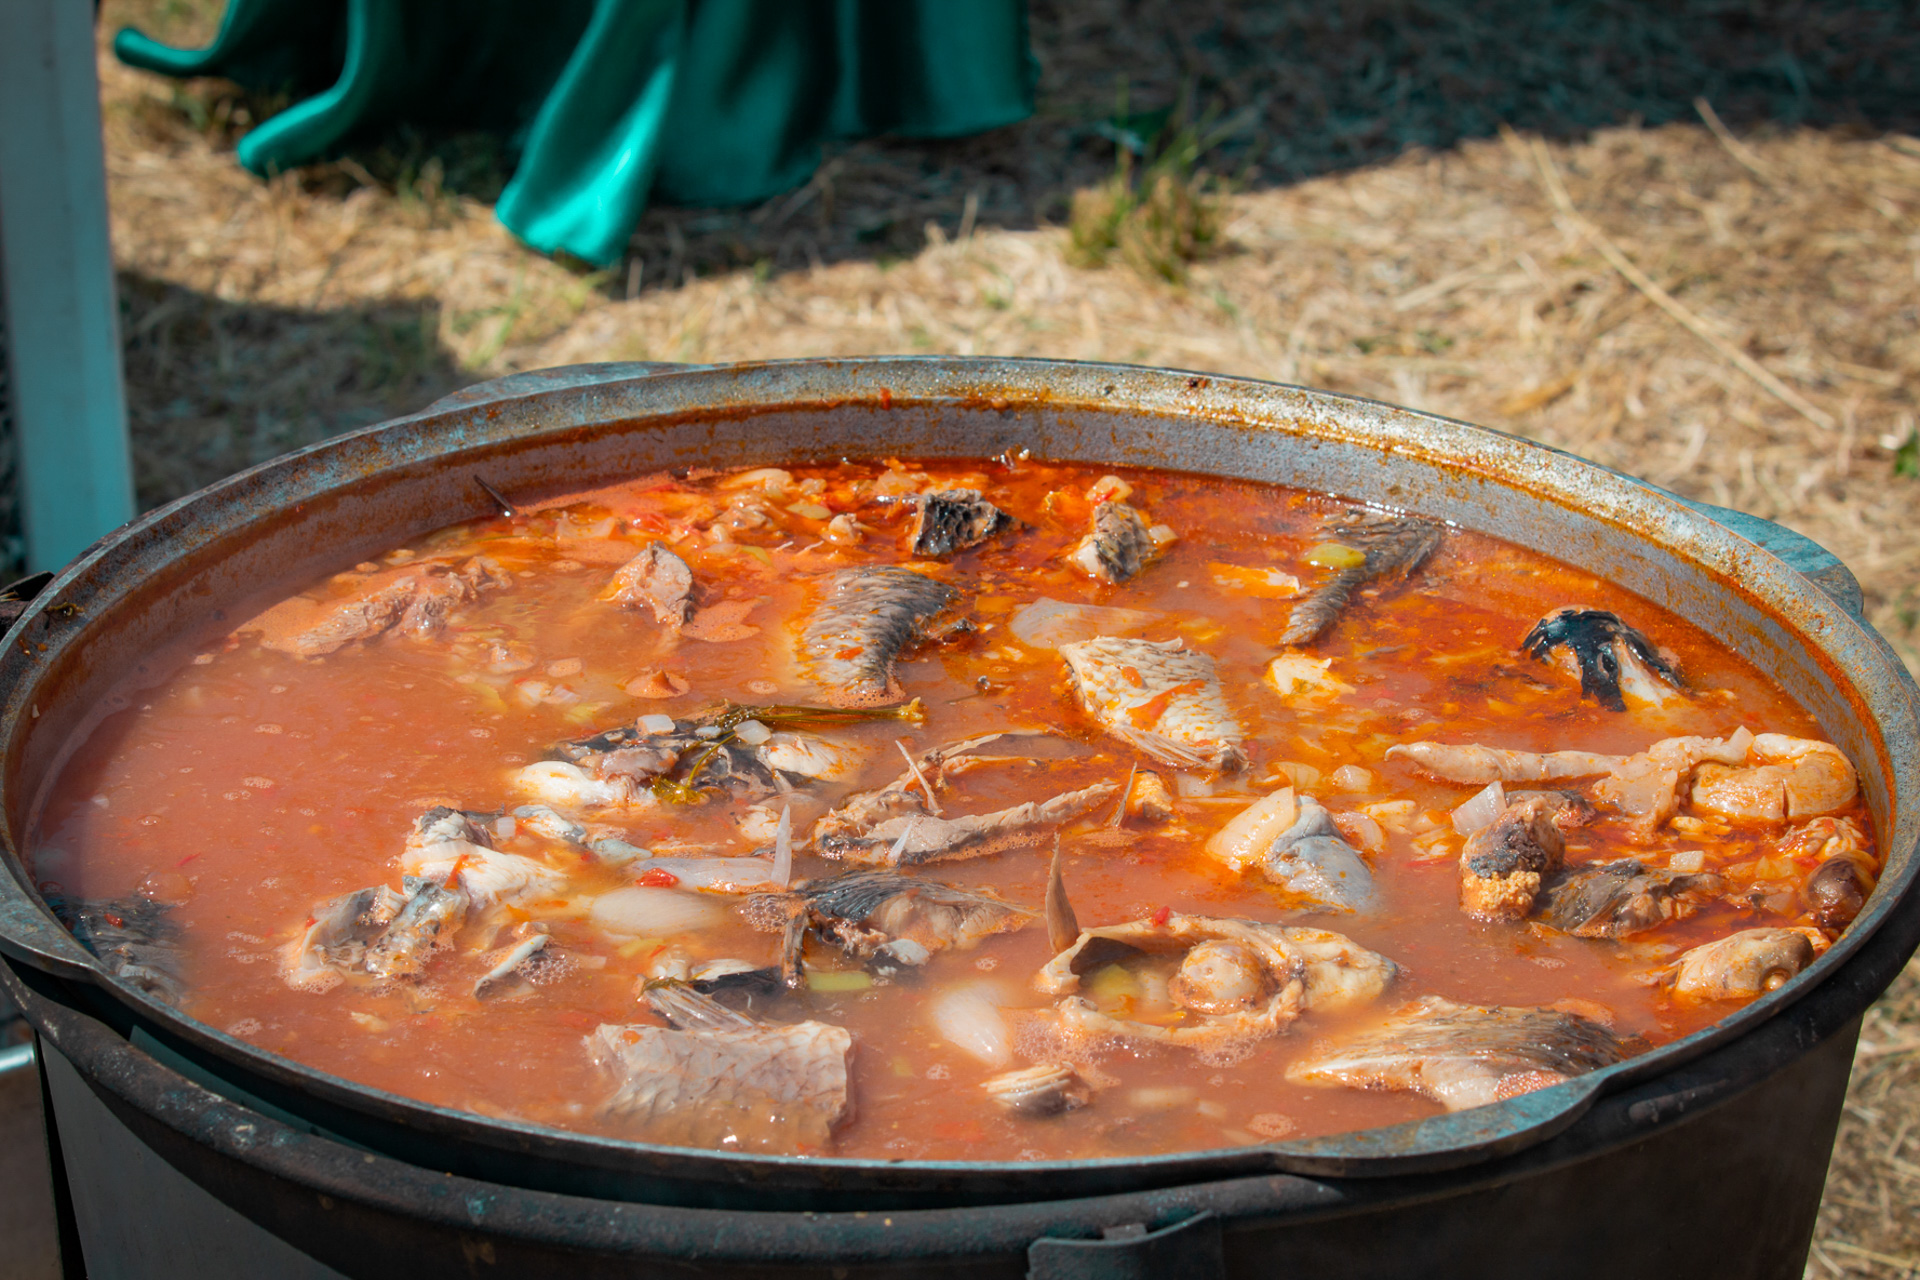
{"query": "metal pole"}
pixel 63 336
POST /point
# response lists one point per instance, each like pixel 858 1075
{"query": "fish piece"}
pixel 1393 546
pixel 608 844
pixel 1504 864
pixel 727 753
pixel 1473 764
pixel 1569 809
pixel 508 977
pixel 1148 798
pixel 907 795
pixel 950 520
pixel 1746 964
pixel 916 836
pixel 1463 1055
pixel 1118 545
pixel 806 755
pixel 1049 1089
pixel 882 918
pixel 1063 927
pixel 551 823
pixel 1612 659
pixel 336 939
pixel 431 916
pixel 720 1079
pixel 1340 973
pixel 445 825
pixel 1789 778
pixel 1235 980
pixel 1162 698
pixel 1623 897
pixel 1648 786
pixel 869 618
pixel 415 599
pixel 133 937
pixel 1837 890
pixel 452 846
pixel 560 782
pixel 616 852
pixel 1313 859
pixel 657 579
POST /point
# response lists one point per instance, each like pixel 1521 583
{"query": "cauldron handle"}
pixel 1802 554
pixel 1187 1250
pixel 28 934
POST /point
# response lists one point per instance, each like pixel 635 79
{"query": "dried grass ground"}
pixel 1768 358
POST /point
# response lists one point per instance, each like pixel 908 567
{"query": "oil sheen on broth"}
pixel 997 810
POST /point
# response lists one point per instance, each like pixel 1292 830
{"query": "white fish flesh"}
pixel 1462 1055
pixel 1162 698
pixel 722 1080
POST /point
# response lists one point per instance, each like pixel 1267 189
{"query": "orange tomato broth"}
pixel 250 786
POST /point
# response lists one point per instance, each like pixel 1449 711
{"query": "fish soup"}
pixel 1002 810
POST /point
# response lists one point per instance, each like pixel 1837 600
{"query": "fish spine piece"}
pixel 870 616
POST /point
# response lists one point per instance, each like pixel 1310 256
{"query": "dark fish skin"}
pixel 1623 897
pixel 918 837
pixel 433 914
pixel 1119 545
pixel 870 616
pixel 1463 1055
pixel 953 520
pixel 1591 635
pixel 1505 863
pixel 867 914
pixel 134 939
pixel 1394 545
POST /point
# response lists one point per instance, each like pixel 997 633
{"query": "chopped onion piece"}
pixel 656 723
pixel 783 848
pixel 1192 786
pixel 752 732
pixel 654 913
pixel 970 1020
pixel 1362 832
pixel 1292 673
pixel 1302 776
pixel 773 479
pixel 1251 832
pixel 1487 804
pixel 1688 860
pixel 1350 778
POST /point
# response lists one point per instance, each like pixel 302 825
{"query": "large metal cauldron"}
pixel 1703 1158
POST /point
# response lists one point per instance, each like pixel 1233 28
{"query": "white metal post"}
pixel 62 324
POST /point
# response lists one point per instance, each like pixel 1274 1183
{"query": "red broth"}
pixel 252 785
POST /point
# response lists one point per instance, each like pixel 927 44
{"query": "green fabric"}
pixel 613 102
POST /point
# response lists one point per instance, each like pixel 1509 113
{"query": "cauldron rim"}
pixel 717 393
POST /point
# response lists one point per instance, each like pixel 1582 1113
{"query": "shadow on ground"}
pixel 1300 88
pixel 213 385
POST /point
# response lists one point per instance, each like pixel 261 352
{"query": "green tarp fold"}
pixel 612 102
